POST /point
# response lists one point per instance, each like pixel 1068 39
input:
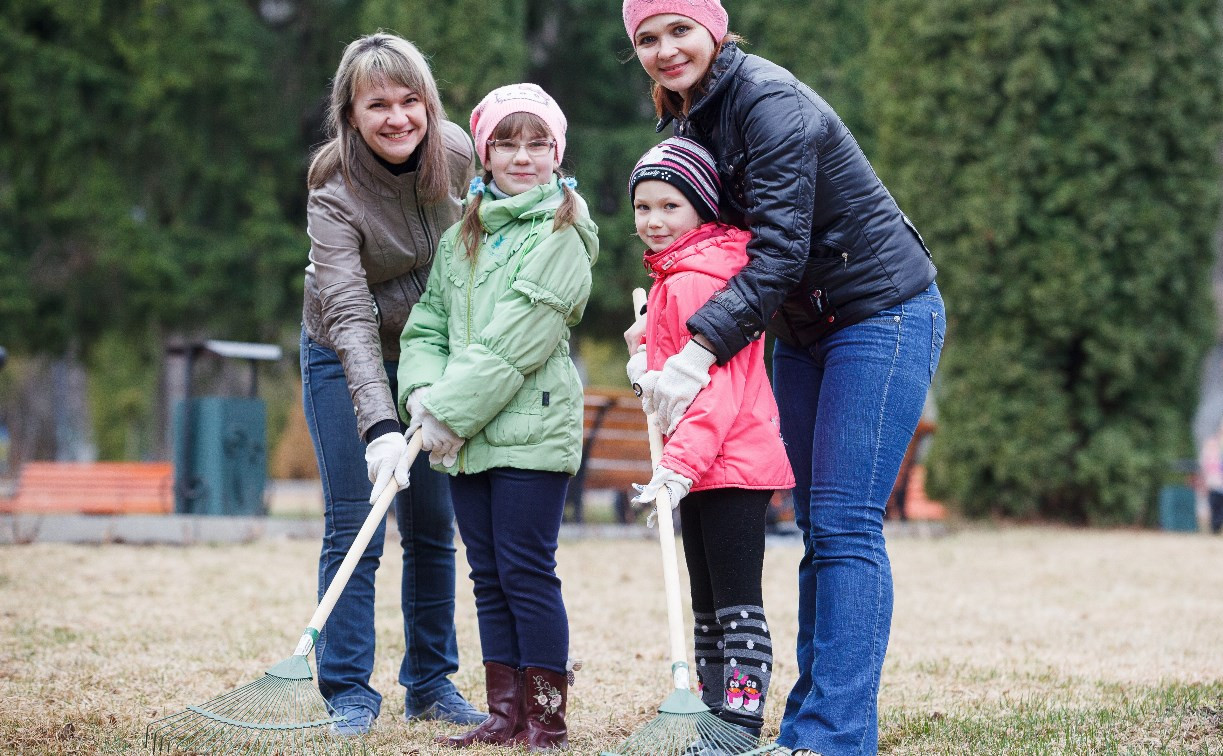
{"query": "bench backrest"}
pixel 94 487
pixel 616 449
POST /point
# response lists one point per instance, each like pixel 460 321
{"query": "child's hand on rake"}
pixel 415 405
pixel 442 443
pixel 682 377
pixel 677 488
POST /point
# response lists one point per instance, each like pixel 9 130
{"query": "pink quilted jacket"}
pixel 729 437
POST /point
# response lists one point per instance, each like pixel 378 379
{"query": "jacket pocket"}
pixel 521 421
pixel 937 335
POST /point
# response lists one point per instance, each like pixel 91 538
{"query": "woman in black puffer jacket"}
pixel 842 279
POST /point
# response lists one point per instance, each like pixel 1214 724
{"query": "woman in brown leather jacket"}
pixel 381 192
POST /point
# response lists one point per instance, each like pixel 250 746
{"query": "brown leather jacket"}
pixel 371 248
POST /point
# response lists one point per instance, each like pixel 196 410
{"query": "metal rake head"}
pixel 686 727
pixel 272 715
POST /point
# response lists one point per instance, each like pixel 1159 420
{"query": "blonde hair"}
pixel 375 59
pixel 516 126
pixel 676 105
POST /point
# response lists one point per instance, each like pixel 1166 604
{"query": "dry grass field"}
pixel 1016 640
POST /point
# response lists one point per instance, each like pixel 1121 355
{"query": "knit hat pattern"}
pixel 708 13
pixel 516 98
pixel 686 165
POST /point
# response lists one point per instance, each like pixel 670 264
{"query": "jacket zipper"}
pixel 471 281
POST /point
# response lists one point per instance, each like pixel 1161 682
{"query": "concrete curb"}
pixel 191 530
pixel 177 530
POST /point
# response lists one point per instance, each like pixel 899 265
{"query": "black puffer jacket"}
pixel 830 247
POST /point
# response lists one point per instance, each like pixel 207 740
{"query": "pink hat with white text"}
pixel 708 13
pixel 516 98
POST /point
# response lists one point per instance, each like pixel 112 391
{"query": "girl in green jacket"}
pixel 484 372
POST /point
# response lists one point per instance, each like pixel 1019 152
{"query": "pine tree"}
pixel 1060 160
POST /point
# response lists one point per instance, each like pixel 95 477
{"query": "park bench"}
pixel 615 450
pixel 616 454
pixel 908 499
pixel 93 488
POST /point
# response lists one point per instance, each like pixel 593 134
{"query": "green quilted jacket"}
pixel 491 336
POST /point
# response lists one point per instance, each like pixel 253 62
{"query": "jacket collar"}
pixel 374 177
pixel 658 264
pixel 534 202
pixel 721 71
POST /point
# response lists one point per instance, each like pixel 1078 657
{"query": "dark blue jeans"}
pixel 345 649
pixel 509 520
pixel 849 406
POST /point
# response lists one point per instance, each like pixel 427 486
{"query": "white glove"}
pixel 677 488
pixel 683 376
pixel 437 439
pixel 415 405
pixel 386 457
pixel 636 365
pixel 643 387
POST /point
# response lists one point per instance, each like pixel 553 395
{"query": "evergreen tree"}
pixel 1060 159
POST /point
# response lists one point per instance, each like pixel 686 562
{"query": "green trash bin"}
pixel 220 458
pixel 1178 509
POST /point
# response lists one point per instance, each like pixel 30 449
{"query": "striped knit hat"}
pixel 687 166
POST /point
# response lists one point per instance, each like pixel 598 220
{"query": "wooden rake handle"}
pixel 666 537
pixel 376 515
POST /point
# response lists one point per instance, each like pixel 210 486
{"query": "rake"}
pixel 685 726
pixel 283 711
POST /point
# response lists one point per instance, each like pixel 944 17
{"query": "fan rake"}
pixel 283 711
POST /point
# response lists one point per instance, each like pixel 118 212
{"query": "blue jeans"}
pixel 345 648
pixel 849 406
pixel 509 520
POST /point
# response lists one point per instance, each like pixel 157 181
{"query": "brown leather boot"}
pixel 544 694
pixel 504 709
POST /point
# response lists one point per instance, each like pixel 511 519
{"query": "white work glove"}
pixel 386 457
pixel 437 439
pixel 683 376
pixel 643 387
pixel 677 488
pixel 636 365
pixel 415 405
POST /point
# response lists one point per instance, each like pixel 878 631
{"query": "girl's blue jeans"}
pixel 423 513
pixel 849 406
pixel 510 520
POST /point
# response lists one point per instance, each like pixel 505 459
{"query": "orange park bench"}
pixel 615 450
pixel 908 499
pixel 93 488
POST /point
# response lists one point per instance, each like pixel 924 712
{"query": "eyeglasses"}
pixel 510 147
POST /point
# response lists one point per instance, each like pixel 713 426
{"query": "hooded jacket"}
pixel 491 335
pixel 730 436
pixel 830 247
pixel 371 247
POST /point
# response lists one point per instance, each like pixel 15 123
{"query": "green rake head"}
pixel 686 727
pixel 280 713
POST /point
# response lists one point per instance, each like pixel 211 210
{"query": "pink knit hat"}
pixel 708 13
pixel 516 98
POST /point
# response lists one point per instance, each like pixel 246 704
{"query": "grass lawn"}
pixel 1019 640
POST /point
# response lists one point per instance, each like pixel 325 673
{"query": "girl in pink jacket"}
pixel 724 457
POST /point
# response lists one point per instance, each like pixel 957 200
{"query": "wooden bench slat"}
pixel 94 488
pixel 616 449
